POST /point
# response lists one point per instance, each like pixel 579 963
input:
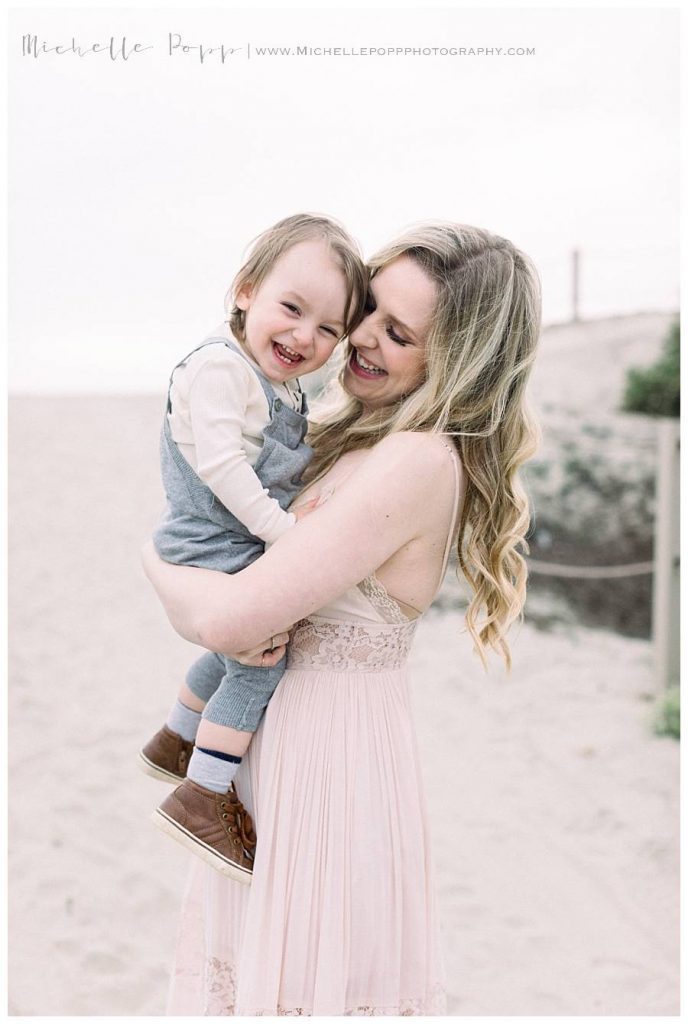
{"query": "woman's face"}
pixel 387 350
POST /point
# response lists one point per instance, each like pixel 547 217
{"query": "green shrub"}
pixel 655 391
pixel 668 714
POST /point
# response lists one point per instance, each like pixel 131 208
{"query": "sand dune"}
pixel 554 808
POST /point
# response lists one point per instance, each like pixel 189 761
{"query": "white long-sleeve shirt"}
pixel 219 411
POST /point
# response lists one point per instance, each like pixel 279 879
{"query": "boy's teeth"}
pixel 288 352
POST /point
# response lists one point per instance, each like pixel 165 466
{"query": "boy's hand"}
pixel 303 510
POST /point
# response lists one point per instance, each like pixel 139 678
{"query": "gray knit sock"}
pixel 184 721
pixel 211 772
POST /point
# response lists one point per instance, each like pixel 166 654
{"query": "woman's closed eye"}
pixel 370 308
pixel 391 333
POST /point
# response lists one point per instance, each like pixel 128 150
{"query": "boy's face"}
pixel 295 317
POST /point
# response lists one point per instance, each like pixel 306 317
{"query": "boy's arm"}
pixel 218 401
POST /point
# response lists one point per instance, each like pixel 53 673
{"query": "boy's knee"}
pixel 242 697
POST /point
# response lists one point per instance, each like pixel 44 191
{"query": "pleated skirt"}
pixel 340 918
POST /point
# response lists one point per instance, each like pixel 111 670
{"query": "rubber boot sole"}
pixel 156 772
pixel 195 845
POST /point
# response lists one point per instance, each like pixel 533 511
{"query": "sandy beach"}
pixel 554 808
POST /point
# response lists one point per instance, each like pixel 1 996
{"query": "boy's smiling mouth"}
pixel 286 355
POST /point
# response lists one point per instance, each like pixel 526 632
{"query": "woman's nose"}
pixel 364 335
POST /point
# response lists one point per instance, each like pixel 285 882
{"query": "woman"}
pixel 423 446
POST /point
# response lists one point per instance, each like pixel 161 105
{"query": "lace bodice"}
pixel 364 630
pixel 348 646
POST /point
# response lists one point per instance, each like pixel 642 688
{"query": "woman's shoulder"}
pixel 409 466
pixel 418 448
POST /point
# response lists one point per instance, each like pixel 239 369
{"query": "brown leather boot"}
pixel 214 826
pixel 166 756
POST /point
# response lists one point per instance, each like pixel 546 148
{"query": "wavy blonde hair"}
pixel 479 353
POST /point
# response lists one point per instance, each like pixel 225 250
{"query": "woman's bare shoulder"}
pixel 402 470
pixel 417 450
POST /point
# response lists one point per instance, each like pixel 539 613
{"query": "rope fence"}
pixel 664 569
pixel 591 572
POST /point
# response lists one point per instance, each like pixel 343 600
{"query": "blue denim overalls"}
pixel 198 530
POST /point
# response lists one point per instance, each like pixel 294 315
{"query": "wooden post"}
pixel 666 596
pixel 575 281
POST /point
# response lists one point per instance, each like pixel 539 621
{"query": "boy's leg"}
pixel 166 756
pixel 205 813
pixel 229 720
pixel 205 675
pixel 201 683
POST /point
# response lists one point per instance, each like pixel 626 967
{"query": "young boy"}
pixel 232 453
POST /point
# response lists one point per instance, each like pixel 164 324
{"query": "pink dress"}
pixel 340 917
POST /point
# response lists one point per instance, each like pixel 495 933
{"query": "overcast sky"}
pixel 135 186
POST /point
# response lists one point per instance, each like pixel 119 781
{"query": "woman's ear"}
pixel 243 297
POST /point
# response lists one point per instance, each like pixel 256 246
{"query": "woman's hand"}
pixel 266 654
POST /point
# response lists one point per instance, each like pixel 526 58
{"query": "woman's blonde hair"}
pixel 479 353
pixel 267 248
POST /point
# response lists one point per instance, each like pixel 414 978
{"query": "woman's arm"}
pixel 383 505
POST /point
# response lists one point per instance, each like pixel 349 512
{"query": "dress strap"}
pixel 452 528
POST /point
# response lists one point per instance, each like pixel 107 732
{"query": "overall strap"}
pixel 267 387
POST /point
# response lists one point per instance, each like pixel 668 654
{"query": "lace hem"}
pixel 221 990
pixel 349 646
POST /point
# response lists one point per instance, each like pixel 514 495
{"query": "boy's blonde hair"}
pixel 267 248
